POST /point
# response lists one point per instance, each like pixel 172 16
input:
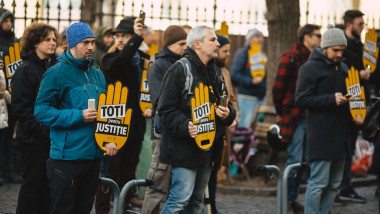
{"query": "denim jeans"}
pixel 247 106
pixel 323 184
pixel 297 153
pixel 187 190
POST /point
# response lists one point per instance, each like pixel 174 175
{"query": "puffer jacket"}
pixel 63 95
pixel 5 98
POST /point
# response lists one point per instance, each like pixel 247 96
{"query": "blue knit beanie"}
pixel 78 32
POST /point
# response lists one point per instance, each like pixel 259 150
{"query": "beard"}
pixel 355 34
pixel 221 63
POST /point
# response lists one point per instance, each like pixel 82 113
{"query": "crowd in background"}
pixel 48 115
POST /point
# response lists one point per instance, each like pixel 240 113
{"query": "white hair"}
pixel 198 33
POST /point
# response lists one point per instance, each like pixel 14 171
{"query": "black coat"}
pixel 327 125
pixel 25 86
pixel 119 66
pixel 164 59
pixel 177 147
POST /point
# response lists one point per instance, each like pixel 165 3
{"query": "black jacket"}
pixel 119 66
pixel 174 109
pixel 164 59
pixel 327 124
pixel 25 86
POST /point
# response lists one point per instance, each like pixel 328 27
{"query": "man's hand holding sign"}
pixel 202 127
pixel 356 96
pixel 113 119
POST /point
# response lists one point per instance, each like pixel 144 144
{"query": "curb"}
pixel 368 180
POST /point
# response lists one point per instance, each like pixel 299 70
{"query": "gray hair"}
pixel 198 33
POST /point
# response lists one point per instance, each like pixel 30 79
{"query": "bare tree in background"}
pixel 89 10
pixel 283 22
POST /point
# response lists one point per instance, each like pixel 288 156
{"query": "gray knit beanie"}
pixel 333 37
pixel 251 33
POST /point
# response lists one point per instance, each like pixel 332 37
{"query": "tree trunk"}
pixel 88 11
pixel 283 22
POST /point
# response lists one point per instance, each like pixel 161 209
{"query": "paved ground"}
pixel 227 204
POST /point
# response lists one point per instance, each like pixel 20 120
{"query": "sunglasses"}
pixel 359 24
pixel 317 35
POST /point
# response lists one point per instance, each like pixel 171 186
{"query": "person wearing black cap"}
pixel 174 42
pixel 124 64
pixel 222 131
pixel 7 38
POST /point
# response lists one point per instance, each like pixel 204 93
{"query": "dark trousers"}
pixel 122 168
pixel 72 185
pixel 212 190
pixel 34 196
pixel 346 180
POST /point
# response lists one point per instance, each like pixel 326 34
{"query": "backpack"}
pixel 186 90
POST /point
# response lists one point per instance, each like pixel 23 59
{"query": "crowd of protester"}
pixel 47 112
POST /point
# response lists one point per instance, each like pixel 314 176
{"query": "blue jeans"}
pixel 297 153
pixel 323 184
pixel 247 106
pixel 187 190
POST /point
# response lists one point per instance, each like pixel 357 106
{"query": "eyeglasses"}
pixel 317 35
pixel 123 36
pixel 337 50
pixel 359 24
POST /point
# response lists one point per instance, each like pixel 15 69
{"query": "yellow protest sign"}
pixel 371 51
pixel 145 102
pixel 223 29
pixel 356 101
pixel 11 62
pixel 113 119
pixel 257 61
pixel 203 116
pixel 224 32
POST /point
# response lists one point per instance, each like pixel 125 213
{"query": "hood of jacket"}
pixel 165 53
pixel 318 55
pixel 32 56
pixel 99 34
pixel 83 64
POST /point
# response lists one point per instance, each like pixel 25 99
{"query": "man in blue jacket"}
pixel 62 105
pixel 248 73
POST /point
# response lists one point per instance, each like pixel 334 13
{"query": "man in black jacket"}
pixel 180 115
pixel 353 56
pixel 124 64
pixel 38 44
pixel 174 41
pixel 320 89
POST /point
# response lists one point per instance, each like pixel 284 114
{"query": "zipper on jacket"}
pixel 63 149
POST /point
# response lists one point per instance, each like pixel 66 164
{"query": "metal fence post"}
pixel 115 191
pixel 275 169
pixel 284 196
pixel 124 191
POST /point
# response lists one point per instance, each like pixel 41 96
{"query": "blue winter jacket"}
pixel 63 95
pixel 241 75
